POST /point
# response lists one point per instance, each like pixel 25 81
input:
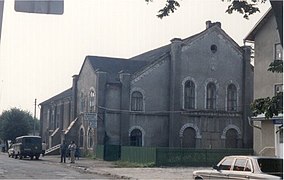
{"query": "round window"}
pixel 213 48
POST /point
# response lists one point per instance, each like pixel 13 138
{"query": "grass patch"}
pixel 90 156
pixel 126 164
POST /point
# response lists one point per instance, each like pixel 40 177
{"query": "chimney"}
pixel 208 24
pixel 218 24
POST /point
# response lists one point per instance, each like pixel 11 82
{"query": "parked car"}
pixel 28 146
pixel 11 151
pixel 244 167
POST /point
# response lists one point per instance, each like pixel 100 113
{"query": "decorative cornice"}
pixel 212 113
pixel 148 70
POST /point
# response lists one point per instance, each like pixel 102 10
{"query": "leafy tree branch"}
pixel 268 106
pixel 276 66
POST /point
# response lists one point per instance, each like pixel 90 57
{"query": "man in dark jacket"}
pixel 63 151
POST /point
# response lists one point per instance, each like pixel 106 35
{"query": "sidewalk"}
pixel 108 168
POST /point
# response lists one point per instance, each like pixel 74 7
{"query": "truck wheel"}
pixel 37 156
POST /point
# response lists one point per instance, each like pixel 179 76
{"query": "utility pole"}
pixel 35 117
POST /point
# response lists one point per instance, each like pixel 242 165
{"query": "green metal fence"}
pixel 112 152
pixel 167 156
pixel 141 155
pixel 100 151
pixel 195 157
pixel 108 152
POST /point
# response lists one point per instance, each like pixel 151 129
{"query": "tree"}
pixel 268 106
pixel 14 123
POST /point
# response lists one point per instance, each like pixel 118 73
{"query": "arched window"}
pixel 189 95
pixel 231 138
pixel 81 138
pixel 92 101
pixel 188 139
pixel 136 138
pixel 232 98
pixel 137 101
pixel 82 102
pixel 52 124
pixel 211 96
pixel 90 138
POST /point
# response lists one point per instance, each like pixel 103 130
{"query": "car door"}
pixel 242 169
pixel 222 170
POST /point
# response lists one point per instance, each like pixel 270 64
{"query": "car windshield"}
pixel 32 140
pixel 271 165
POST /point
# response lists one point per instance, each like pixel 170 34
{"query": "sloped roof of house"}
pixel 65 94
pixel 135 64
pixel 154 54
pixel 259 25
pixel 115 65
pixel 158 52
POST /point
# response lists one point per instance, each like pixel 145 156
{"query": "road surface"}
pixel 11 168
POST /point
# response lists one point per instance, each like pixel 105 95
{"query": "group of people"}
pixel 70 150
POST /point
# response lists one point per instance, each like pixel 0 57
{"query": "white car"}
pixel 244 167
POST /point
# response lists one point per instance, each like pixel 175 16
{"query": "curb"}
pixel 98 172
pixel 90 170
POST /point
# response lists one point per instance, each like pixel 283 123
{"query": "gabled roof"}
pixel 60 96
pixel 158 52
pixel 115 65
pixel 137 63
pixel 152 55
pixel 259 25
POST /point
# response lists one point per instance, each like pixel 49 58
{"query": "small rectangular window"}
pixel 278 88
pixel 278 52
pixel 281 136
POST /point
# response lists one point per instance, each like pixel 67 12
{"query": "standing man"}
pixel 72 148
pixel 43 147
pixel 63 151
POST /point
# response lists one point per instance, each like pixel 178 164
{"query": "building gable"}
pixel 63 95
pixel 214 30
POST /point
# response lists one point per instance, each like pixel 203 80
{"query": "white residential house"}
pixel 268 133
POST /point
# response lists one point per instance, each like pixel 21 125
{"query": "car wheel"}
pixel 198 178
pixel 21 157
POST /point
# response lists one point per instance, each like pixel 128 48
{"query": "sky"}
pixel 40 53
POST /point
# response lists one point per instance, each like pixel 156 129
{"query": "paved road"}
pixel 11 168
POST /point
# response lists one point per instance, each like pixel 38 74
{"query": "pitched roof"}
pixel 154 54
pixel 158 52
pixel 115 65
pixel 133 65
pixel 60 96
pixel 259 25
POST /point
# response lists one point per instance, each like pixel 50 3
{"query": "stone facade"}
pixel 193 93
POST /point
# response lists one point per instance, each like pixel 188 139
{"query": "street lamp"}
pixel 35 117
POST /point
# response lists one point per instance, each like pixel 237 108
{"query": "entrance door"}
pixel 189 140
